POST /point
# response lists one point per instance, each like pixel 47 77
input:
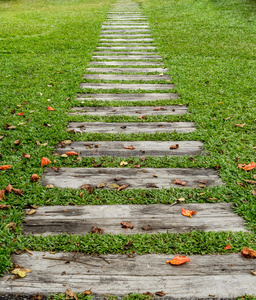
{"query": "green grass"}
pixel 213 69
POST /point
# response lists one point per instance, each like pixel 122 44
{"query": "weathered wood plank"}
pixel 125 26
pixel 133 177
pixel 127 40
pixel 220 276
pixel 127 30
pixel 126 77
pixel 123 35
pixel 129 97
pixel 125 63
pixel 144 48
pixel 128 70
pixel 127 57
pixel 127 86
pixel 56 220
pixel 125 52
pixel 142 149
pixel 129 110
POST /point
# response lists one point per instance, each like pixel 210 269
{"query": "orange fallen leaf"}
pixel 180 182
pixel 2 192
pixel 142 117
pixel 122 187
pixel 9 188
pixel 178 260
pixel 97 230
pixel 227 247
pixel 127 225
pixel 239 125
pixel 20 114
pixel 130 147
pixel 50 108
pixel 71 153
pixel 5 167
pixel 34 178
pixel 175 146
pixel 159 108
pixel 241 166
pixel 160 293
pixel 45 161
pixel 248 253
pixel 249 167
pixel 188 213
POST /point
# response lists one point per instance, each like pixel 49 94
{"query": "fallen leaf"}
pixel 87 187
pixel 146 228
pixel 70 295
pixel 9 188
pixel 176 146
pixel 113 185
pixel 56 169
pixel 180 182
pixel 50 108
pixel 11 225
pixel 5 167
pixel 31 212
pixel 182 199
pixel 64 155
pixel 87 292
pixel 142 117
pixel 239 125
pixel 127 225
pixel 253 273
pixel 254 176
pixel 160 293
pixel 137 166
pixel 37 297
pixel 254 192
pixel 148 294
pixel 97 230
pixel 188 213
pixel 101 185
pixel 123 163
pixel 2 192
pixel 250 181
pixel 9 127
pixel 130 147
pixel 45 161
pixel 20 114
pixel 122 187
pixel 227 118
pixel 151 185
pixel 241 184
pixel 71 153
pixel 17 191
pixel 228 247
pixel 128 245
pixel 49 186
pixel 160 108
pixel 249 167
pixel 4 206
pixel 248 253
pixel 38 143
pixel 26 155
pixel 178 260
pixel 21 271
pixel 202 181
pixel 34 178
pixel 17 142
pixel 118 179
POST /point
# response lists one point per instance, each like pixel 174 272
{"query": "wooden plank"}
pixel 127 57
pixel 135 35
pixel 125 52
pixel 57 220
pixel 144 148
pixel 144 48
pixel 125 26
pixel 125 63
pixel 129 110
pixel 114 40
pixel 127 86
pixel 135 178
pixel 127 30
pixel 128 70
pixel 126 77
pixel 129 97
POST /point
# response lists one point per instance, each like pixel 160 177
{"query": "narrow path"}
pixel 127 53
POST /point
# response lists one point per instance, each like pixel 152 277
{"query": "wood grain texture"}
pixel 133 177
pixel 127 86
pixel 144 48
pixel 127 57
pixel 129 110
pixel 143 148
pixel 105 27
pixel 126 77
pixel 115 40
pixel 112 30
pixel 125 63
pixel 56 220
pixel 220 276
pixel 127 70
pixel 126 35
pixel 132 127
pixel 124 52
pixel 129 97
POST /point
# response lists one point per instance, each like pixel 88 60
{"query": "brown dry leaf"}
pixel 180 182
pixel 101 185
pixel 160 293
pixel 9 188
pixel 146 228
pixel 127 225
pixel 97 230
pixel 31 212
pixel 123 163
pixel 37 297
pixel 49 186
pixel 250 181
pixel 122 187
pixel 87 292
pixel 254 192
pixel 253 272
pixel 137 166
pixel 2 192
pixel 248 253
pixel 69 295
pixel 227 118
pixel 241 184
pixel 34 178
pixel 202 181
pixel 17 142
pixel 4 206
pixel 118 179
pixel 254 176
pixel 87 187
pixel 20 271
pixel 113 186
pixel 11 225
pixel 9 127
pixel 26 155
pixel 160 108
pixel 142 117
pixel 148 294
pixel 17 191
pixel 239 125
pixel 127 245
pixel 129 147
pixel 175 146
pixel 56 169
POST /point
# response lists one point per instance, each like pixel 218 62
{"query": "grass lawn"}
pixel 209 47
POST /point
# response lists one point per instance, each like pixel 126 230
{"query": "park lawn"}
pixel 209 48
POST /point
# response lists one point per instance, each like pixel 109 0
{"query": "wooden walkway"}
pixel 126 67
